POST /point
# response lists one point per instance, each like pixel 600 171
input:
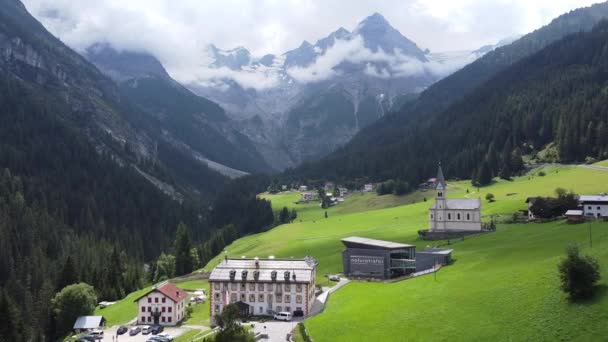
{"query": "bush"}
pixel 490 197
pixel 578 274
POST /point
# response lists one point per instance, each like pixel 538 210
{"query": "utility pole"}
pixel 590 238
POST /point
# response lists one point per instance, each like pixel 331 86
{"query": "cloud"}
pixel 177 32
pixel 378 64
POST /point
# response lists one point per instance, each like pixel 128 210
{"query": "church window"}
pixel 449 216
pixel 431 216
pixel 440 194
pixel 458 216
pixel 468 217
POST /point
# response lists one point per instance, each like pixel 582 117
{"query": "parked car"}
pixel 282 316
pixel 157 329
pixel 298 313
pixel 121 330
pixel 159 339
pixel 96 334
pixel 334 277
pixel 134 331
pixel 146 329
pixel 166 336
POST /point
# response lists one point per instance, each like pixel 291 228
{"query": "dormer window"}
pixel 286 275
pixel 273 275
pixel 244 274
pixel 256 275
pixel 232 274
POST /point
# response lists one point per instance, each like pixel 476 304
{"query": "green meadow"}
pixel 502 286
pixel 396 219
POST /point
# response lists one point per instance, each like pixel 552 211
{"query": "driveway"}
pixel 276 330
pixel 108 333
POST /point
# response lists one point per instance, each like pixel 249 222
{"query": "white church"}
pixel 453 215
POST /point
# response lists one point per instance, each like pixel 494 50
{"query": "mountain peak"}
pixel 376 18
pixel 377 33
pixel 123 65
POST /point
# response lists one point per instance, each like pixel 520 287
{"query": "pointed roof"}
pixel 440 178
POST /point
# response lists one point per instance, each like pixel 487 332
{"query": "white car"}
pixel 282 316
pixel 146 329
pixel 166 335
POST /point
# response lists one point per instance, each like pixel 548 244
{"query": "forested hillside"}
pixel 408 144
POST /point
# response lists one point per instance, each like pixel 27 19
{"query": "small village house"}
pixel 530 202
pixel 303 188
pixel 343 191
pixel 307 196
pixel 164 304
pixel 594 206
pixel 369 187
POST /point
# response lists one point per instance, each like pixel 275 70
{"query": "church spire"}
pixel 440 178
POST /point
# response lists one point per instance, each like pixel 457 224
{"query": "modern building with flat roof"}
pixel 371 258
pixel 263 286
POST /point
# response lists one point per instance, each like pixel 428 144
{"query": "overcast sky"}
pixel 176 31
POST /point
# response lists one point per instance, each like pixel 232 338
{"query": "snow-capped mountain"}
pixel 308 101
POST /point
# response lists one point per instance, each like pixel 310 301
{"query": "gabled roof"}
pixel 169 290
pixel 261 270
pixel 89 322
pixel 572 212
pixel 355 241
pixel 593 198
pixel 460 203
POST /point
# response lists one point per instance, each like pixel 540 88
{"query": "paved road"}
pixel 595 167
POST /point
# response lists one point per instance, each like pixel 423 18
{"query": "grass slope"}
pixel 320 237
pixel 503 286
pixel 123 311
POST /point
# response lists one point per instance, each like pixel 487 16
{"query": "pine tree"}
pixel 11 323
pixel 68 275
pixel 485 175
pixel 183 258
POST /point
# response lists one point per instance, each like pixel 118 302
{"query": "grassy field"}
pixel 123 311
pixel 200 312
pixel 320 237
pixel 503 286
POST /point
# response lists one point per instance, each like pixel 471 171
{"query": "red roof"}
pixel 169 290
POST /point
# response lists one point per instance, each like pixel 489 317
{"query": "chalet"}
pixel 343 191
pixel 530 202
pixel 594 206
pixel 164 304
pixel 263 286
pixel 329 186
pixel 369 187
pixel 307 196
pixel 303 188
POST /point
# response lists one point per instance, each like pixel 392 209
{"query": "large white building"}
pixel 263 286
pixel 164 304
pixel 462 214
pixel 594 206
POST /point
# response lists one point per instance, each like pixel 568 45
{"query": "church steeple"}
pixel 440 178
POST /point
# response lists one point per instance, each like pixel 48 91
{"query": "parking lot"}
pixel 276 330
pixel 111 332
